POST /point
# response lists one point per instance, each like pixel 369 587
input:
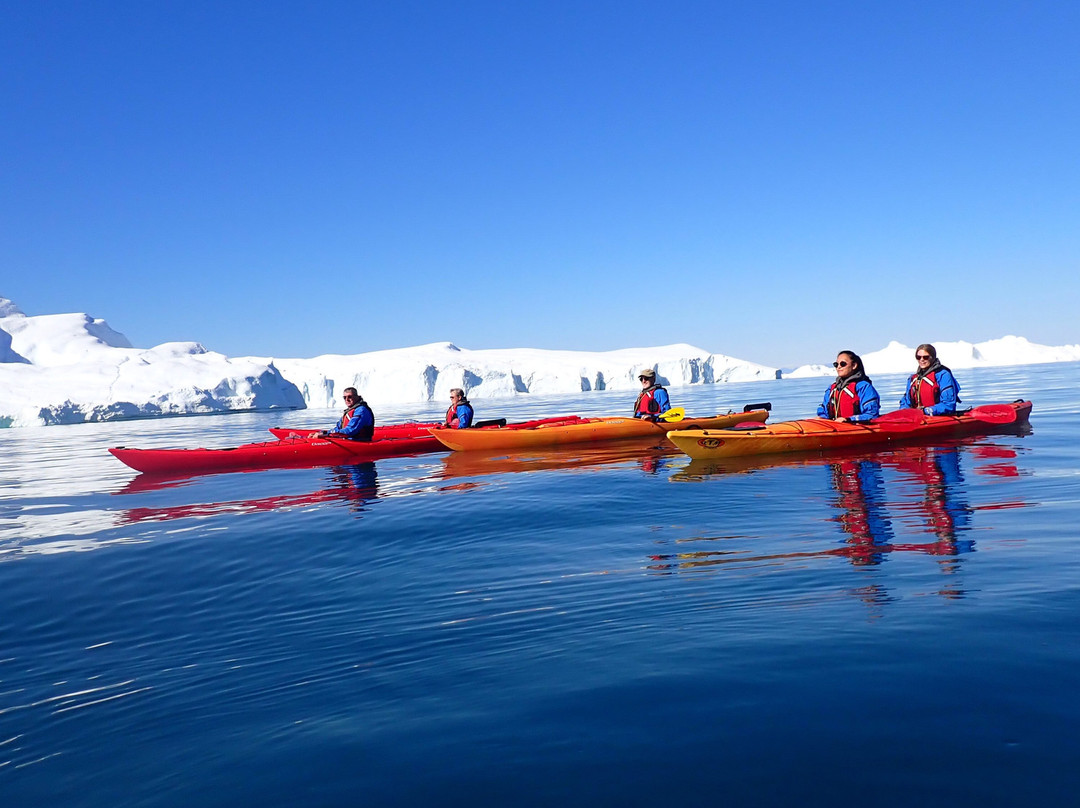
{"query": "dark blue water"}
pixel 614 626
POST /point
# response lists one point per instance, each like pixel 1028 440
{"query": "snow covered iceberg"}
pixel 899 358
pixel 429 372
pixel 71 368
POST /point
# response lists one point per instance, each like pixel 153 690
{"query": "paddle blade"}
pixel 994 414
pixel 901 420
pixel 672 415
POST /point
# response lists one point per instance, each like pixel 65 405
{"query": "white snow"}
pixel 428 372
pixel 70 368
pixel 899 358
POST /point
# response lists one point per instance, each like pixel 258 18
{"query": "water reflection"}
pixel 356 485
pixel 874 496
pixel 652 458
pixel 860 498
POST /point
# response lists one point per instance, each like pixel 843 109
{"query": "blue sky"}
pixel 774 181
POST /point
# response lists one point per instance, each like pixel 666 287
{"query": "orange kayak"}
pixel 588 430
pixel 817 434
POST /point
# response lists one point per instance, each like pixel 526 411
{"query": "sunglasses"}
pixel 922 356
pixel 349 398
pixel 840 364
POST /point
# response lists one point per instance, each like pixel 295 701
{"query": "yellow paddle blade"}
pixel 674 414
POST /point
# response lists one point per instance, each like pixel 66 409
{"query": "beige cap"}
pixel 648 373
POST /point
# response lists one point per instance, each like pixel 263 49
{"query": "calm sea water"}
pixel 616 626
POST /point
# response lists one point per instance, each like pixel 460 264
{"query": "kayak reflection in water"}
pixel 653 399
pixel 357 422
pixel 861 496
pixel 932 388
pixel 852 396
pixel 943 509
pixel 356 484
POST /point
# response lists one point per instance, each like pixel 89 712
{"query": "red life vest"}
pixel 923 392
pixel 843 404
pixel 344 422
pixel 452 416
pixel 646 403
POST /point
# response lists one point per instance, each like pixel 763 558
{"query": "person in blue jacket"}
pixel 460 414
pixel 852 396
pixel 932 388
pixel 357 422
pixel 653 399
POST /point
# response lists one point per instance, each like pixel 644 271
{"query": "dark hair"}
pixel 854 358
pixel 350 390
pixel 930 349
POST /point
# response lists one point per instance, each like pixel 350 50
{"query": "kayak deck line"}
pixel 592 430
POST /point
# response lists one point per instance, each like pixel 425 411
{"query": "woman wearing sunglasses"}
pixel 852 396
pixel 932 388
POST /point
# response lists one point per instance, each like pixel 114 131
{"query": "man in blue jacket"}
pixel 357 422
pixel 653 399
pixel 460 414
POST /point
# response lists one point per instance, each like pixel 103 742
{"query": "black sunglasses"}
pixel 923 356
pixel 840 364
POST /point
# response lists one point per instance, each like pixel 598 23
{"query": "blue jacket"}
pixel 948 394
pixel 869 402
pixel 360 427
pixel 464 415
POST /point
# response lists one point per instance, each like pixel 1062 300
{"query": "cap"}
pixel 648 373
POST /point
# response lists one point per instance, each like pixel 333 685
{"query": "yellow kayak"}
pixel 588 430
pixel 817 434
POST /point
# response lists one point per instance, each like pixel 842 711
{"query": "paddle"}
pixel 993 413
pixel 987 413
pixel 672 415
pixel 899 421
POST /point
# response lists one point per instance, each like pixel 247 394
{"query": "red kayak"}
pixel 300 450
pixel 413 430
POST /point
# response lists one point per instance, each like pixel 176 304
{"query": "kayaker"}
pixel 852 396
pixel 933 388
pixel 460 414
pixel 653 399
pixel 357 422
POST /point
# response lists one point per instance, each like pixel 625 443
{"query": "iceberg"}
pixel 899 358
pixel 429 372
pixel 73 368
